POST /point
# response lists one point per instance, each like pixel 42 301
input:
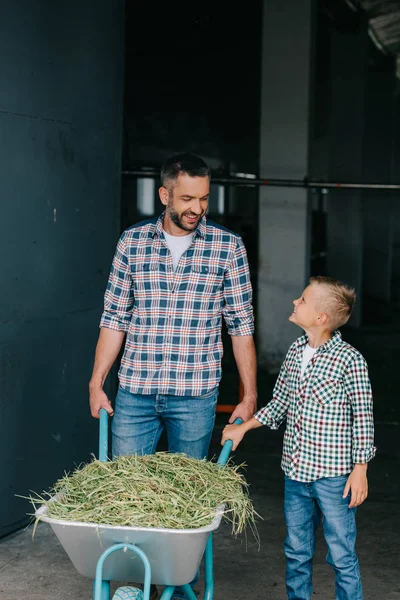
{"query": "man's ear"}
pixel 164 195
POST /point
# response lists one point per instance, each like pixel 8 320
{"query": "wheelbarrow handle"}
pixel 103 440
pixel 227 447
pixel 103 436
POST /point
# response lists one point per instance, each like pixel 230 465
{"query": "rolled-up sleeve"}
pixel 118 298
pixel 238 295
pixel 358 389
pixel 274 413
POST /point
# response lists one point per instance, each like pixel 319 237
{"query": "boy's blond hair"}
pixel 337 301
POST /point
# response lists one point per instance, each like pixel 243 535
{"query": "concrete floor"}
pixel 40 569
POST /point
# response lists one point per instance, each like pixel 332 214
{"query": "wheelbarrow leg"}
pixel 208 570
pixel 101 590
pixel 208 577
pixel 187 589
pixel 104 590
pixel 189 593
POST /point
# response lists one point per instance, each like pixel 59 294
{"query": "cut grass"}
pixel 161 490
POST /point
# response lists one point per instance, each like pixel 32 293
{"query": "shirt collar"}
pixel 335 339
pixel 201 229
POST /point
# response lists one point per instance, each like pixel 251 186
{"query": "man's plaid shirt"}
pixel 329 411
pixel 173 319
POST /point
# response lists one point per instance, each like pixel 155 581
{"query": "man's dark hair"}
pixel 183 163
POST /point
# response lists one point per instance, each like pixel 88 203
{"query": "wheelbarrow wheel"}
pixel 128 593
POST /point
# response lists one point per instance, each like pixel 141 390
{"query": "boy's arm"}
pixel 272 414
pixel 237 432
pixel 358 389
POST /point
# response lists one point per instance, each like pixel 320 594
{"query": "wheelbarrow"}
pixel 166 557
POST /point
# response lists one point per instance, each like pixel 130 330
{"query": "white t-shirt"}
pixel 177 245
pixel 308 353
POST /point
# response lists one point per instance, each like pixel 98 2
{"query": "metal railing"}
pixel 251 181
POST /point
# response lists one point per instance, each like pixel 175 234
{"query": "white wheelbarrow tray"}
pixel 174 554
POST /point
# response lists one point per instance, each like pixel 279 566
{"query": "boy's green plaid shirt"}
pixel 329 411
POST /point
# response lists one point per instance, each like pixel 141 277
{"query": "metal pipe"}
pixel 297 183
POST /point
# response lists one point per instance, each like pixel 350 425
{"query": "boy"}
pixel 323 390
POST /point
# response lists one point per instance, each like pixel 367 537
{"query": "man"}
pixel 171 281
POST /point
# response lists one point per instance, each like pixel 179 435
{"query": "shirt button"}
pixel 206 269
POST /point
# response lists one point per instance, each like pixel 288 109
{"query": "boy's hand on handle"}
pixel 357 484
pixel 244 410
pixel 99 400
pixel 234 433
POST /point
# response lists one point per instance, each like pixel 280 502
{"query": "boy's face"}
pixel 305 312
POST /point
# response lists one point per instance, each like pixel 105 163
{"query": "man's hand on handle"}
pixel 98 400
pixel 107 349
pixel 245 409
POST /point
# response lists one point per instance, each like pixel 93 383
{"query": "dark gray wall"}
pixel 61 84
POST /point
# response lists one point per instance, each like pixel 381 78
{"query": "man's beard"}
pixel 177 219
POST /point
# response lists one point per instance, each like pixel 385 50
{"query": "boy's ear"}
pixel 322 319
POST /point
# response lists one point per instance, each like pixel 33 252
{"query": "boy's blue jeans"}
pixel 140 419
pixel 305 504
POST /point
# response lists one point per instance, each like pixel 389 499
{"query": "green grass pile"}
pixel 160 490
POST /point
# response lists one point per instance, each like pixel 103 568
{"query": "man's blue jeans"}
pixel 140 419
pixel 305 505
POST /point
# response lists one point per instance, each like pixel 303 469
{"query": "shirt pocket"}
pixel 141 268
pixel 325 391
pixel 206 278
pixel 148 277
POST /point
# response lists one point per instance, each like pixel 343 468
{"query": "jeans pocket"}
pixel 210 394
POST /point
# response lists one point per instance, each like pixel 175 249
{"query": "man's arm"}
pixel 108 347
pixel 115 320
pixel 245 356
pixel 239 318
